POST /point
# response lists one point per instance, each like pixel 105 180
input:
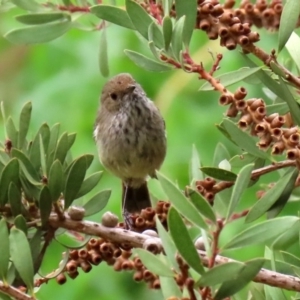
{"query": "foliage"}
pixel 40 179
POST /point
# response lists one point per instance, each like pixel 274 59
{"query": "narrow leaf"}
pixel 239 187
pixel 169 288
pixel 187 8
pixel 96 203
pixel 219 274
pixel 12 132
pixel 55 180
pixel 262 232
pixel 154 264
pixel 195 173
pixel 291 102
pixel 293 49
pixel 230 78
pixel 15 199
pixel 24 123
pixel 20 223
pixel 41 18
pixel 39 33
pixel 201 204
pixel 167 32
pixel 183 241
pixel 62 148
pixel 147 63
pixel 4 257
pixel 288 20
pixel 232 286
pixel 103 57
pixel 168 244
pixel 177 38
pixel 22 260
pixel 113 14
pixel 30 5
pixel 89 183
pixel 242 139
pixel 140 19
pixel 218 173
pixel 9 174
pixel 45 204
pixel 272 195
pixel 74 180
pixel 180 202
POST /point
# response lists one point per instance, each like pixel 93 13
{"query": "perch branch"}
pixel 137 240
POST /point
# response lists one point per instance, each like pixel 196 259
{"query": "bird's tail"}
pixel 134 199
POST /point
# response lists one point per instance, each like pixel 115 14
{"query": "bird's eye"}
pixel 113 96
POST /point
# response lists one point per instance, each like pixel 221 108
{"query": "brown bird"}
pixel 131 140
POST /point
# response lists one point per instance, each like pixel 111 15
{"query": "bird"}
pixel 130 135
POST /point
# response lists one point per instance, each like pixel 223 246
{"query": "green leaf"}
pixel 201 204
pixel 155 35
pixel 96 203
pixel 45 204
pixel 290 258
pixel 22 260
pixel 242 139
pixel 113 14
pixel 20 223
pixel 62 148
pixel 12 132
pixel 194 167
pixel 177 38
pixel 293 49
pixel 89 183
pixel 291 102
pixel 167 32
pixel 37 34
pixel 288 20
pixel 167 5
pixel 71 139
pixel 219 274
pixel 15 199
pixel 169 288
pixel 273 195
pixel 140 19
pixel 41 18
pixel 74 180
pixel 187 8
pixel 24 123
pixel 230 78
pixel 147 63
pixel 55 180
pixel 183 241
pixel 35 247
pixel 239 187
pixel 218 173
pixel 280 108
pixel 30 5
pixel 265 79
pixel 168 244
pixel 26 166
pixel 220 154
pixel 180 202
pixel 53 137
pixel 43 157
pixel 262 232
pixel 9 174
pixel 238 161
pixel 35 152
pixel 287 238
pixel 153 263
pixel 232 286
pixel 103 57
pixel 4 257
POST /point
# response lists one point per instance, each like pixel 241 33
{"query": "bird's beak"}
pixel 130 88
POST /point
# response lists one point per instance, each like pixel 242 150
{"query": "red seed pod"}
pixel 240 93
pixel 85 266
pixel 61 278
pixel 245 121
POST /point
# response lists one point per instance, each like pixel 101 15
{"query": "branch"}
pixel 13 292
pixel 137 240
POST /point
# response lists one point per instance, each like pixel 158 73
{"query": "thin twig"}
pixel 13 292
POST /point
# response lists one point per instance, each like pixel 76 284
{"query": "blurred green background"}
pixel 63 81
